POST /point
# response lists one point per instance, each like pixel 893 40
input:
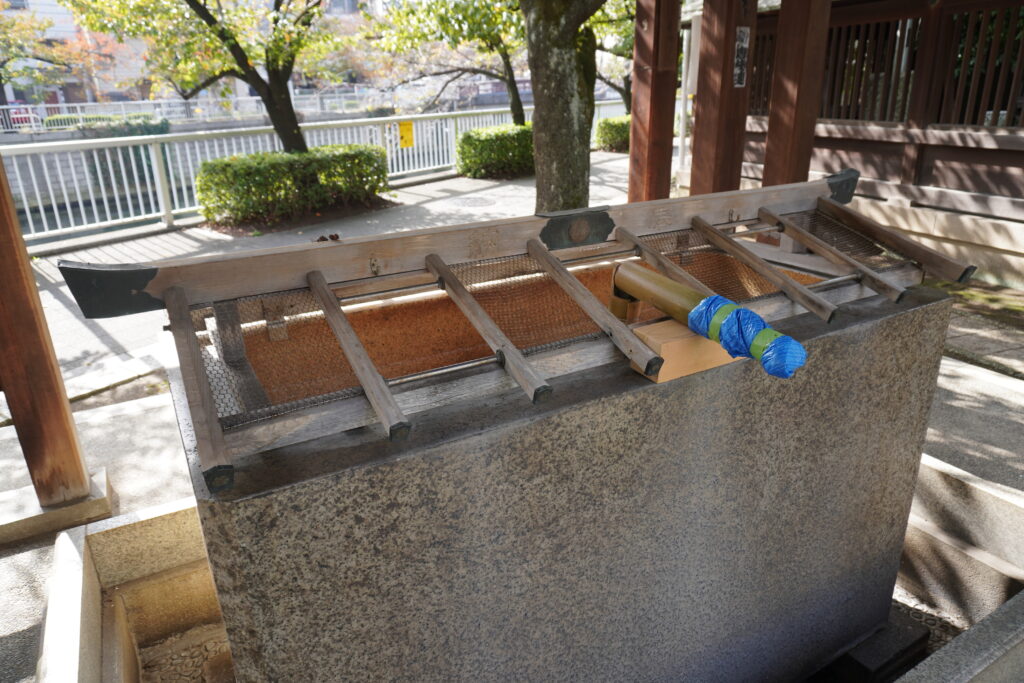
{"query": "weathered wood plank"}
pixel 628 343
pixel 510 356
pixel 374 386
pixel 216 466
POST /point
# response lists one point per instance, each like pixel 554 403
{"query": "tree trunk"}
pixel 515 101
pixel 563 69
pixel 3 94
pixel 627 92
pixel 281 112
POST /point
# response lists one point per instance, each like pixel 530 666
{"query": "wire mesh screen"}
pixel 719 271
pixel 853 244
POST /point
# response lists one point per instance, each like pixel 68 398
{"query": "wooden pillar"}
pixel 655 73
pixel 800 55
pixel 723 94
pixel 33 384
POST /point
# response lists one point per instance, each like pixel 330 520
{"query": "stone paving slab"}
pixel 977 423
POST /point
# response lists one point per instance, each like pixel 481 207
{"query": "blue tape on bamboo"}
pixel 744 333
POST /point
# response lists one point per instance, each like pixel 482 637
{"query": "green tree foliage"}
pixel 614 26
pixel 26 56
pixel 195 44
pixel 493 29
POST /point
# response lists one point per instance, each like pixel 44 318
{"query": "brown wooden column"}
pixel 723 94
pixel 655 73
pixel 796 90
pixel 33 384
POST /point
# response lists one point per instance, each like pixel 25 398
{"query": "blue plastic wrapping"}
pixel 780 356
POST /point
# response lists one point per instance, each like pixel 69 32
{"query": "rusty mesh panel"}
pixel 528 305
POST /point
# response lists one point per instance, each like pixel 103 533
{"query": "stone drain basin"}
pixel 136 594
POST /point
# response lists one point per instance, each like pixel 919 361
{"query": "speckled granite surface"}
pixel 724 526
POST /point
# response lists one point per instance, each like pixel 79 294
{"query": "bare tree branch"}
pixel 206 83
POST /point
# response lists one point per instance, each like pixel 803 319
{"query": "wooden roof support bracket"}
pixel 508 354
pixel 217 468
pixel 620 334
pixel 793 289
pixel 932 261
pixel 825 250
pixel 664 264
pixel 374 386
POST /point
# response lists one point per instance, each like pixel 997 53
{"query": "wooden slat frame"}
pixel 508 354
pixel 217 468
pixel 374 386
pixel 793 289
pixel 870 277
pixel 663 263
pixel 228 276
pixel 932 261
pixel 624 338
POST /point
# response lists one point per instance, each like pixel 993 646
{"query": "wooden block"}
pixel 685 352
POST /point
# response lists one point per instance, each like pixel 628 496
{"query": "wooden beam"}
pixel 33 384
pixel 822 248
pixel 932 261
pixel 106 291
pixel 510 356
pixel 652 112
pixel 664 264
pixel 723 94
pixel 374 386
pixel 217 468
pixel 929 66
pixel 628 343
pixel 797 76
pixel 793 289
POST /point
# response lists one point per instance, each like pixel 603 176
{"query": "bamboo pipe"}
pixel 669 296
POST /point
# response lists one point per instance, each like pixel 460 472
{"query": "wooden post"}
pixel 796 90
pixel 32 381
pixel 926 88
pixel 655 71
pixel 723 94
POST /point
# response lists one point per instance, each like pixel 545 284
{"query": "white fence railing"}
pixel 84 185
pixel 37 118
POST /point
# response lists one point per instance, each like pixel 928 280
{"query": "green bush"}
pixel 72 120
pixel 496 152
pixel 92 120
pixel 271 186
pixel 130 126
pixel 613 134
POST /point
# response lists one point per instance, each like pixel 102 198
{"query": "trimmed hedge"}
pixel 271 186
pixel 497 152
pixel 613 134
pixel 89 120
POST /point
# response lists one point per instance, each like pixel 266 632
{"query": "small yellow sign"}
pixel 405 138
